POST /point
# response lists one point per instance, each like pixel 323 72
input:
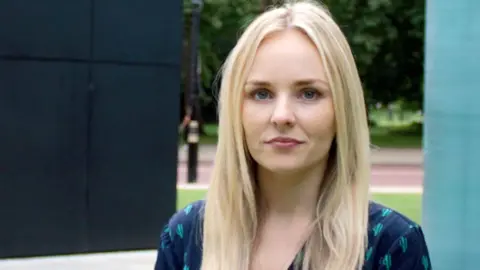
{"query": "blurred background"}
pixel 387 39
pixel 108 120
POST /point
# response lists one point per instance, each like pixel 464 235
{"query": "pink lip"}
pixel 284 142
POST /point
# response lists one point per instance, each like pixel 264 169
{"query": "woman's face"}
pixel 288 115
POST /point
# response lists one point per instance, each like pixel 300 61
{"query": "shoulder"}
pixel 179 236
pixel 395 241
pixel 386 222
pixel 185 219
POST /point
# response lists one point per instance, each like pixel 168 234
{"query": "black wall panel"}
pixel 133 162
pixel 45 29
pixel 141 31
pixel 89 96
pixel 42 158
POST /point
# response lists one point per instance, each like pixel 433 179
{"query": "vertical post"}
pixel 193 129
pixel 451 199
pixel 193 138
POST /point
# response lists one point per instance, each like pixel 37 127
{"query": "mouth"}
pixel 284 142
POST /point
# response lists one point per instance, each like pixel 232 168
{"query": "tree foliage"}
pixel 386 37
pixel 387 40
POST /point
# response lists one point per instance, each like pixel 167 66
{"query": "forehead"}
pixel 287 55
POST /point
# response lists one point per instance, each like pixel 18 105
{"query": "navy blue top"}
pixel 394 241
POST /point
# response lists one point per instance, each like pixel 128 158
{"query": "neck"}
pixel 292 194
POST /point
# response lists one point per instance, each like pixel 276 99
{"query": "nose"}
pixel 283 115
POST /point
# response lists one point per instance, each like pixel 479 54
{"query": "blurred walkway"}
pixel 381 156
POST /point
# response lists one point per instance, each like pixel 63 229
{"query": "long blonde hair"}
pixel 339 238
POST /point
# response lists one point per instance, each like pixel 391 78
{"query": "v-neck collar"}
pixel 298 259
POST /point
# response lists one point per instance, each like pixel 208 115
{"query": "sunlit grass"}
pixel 408 204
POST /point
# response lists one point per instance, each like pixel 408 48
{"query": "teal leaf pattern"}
pixel 162 245
pixel 386 212
pixel 180 230
pixel 425 262
pixel 377 229
pixel 387 261
pixel 299 257
pixel 188 209
pixel 169 232
pixel 369 253
pixel 403 244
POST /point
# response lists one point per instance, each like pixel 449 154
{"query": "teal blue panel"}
pixel 451 200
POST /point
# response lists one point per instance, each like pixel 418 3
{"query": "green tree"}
pixel 387 40
pixel 386 37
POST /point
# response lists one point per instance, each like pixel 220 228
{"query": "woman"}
pixel 290 185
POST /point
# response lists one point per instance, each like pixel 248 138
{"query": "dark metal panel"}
pixel 45 29
pixel 142 31
pixel 42 158
pixel 133 158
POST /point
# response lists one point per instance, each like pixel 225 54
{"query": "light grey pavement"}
pixel 380 156
pixel 136 260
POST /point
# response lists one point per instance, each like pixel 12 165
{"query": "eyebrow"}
pixel 302 82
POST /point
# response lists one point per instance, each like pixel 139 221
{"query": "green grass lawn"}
pixel 380 136
pixel 390 138
pixel 407 204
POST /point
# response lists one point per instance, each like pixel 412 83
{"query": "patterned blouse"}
pixel 395 242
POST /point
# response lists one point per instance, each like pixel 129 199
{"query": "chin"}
pixel 282 167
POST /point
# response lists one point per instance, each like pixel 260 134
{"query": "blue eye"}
pixel 262 95
pixel 310 94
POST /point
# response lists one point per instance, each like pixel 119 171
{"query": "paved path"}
pixel 137 260
pixel 382 175
pixel 391 168
pixel 380 156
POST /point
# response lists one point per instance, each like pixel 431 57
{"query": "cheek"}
pixel 247 122
pixel 322 122
pixel 253 122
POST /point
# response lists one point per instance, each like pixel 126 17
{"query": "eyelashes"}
pixel 305 94
pixel 261 94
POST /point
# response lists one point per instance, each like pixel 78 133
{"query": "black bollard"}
pixel 193 138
